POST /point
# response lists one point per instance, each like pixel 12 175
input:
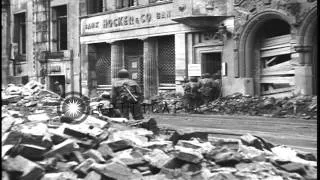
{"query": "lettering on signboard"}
pixel 122 21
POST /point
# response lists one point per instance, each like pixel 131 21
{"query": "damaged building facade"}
pixel 41 44
pixel 260 47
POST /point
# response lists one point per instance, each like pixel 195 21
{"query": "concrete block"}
pixel 65 147
pixel 157 158
pixel 116 170
pixel 93 176
pixel 188 154
pixel 85 166
pixel 94 154
pixel 29 169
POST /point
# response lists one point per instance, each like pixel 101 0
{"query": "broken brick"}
pixel 130 158
pixel 92 175
pixel 65 147
pixel 60 176
pixel 85 166
pixel 187 135
pixel 119 145
pixel 157 158
pixel 29 169
pixel 116 170
pixel 188 154
pixel 105 150
pixel 94 154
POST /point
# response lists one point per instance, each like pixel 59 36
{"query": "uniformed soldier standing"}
pixel 191 94
pixel 126 95
pixel 207 86
pixel 59 88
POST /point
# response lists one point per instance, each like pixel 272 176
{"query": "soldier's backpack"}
pixel 125 95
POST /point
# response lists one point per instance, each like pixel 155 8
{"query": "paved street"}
pixel 297 133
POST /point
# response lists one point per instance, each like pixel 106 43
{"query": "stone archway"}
pixel 307 48
pixel 250 43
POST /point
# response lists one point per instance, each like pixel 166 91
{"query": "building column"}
pixel 180 60
pixel 150 66
pixel 303 72
pixel 84 70
pixel 117 61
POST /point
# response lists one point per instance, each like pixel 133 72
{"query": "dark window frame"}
pixel 95 6
pixel 20 32
pixel 125 3
pixel 61 20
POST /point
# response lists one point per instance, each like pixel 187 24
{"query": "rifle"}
pixel 133 97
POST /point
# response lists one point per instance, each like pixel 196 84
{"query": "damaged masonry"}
pixel 35 147
pixel 218 89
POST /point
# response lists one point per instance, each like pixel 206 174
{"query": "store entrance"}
pixel 55 81
pixel 135 68
pixel 211 63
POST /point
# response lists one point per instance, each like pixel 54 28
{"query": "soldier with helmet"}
pixel 207 86
pixel 191 94
pixel 126 95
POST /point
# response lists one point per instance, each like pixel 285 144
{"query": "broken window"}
pixel 20 32
pixel 94 6
pixel 125 3
pixel 59 28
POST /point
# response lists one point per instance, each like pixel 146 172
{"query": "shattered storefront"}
pixel 156 43
pixel 276 47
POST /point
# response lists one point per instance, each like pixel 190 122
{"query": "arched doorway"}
pixel 273 73
pixel 308 48
pixel 265 53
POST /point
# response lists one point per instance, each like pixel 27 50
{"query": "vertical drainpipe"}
pixel 80 54
pixel 49 39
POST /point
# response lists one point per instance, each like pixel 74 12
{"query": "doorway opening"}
pixel 53 86
pixel 211 63
pixel 133 53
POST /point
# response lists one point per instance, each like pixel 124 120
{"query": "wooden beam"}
pixel 278 80
pixel 285 71
pixel 275 52
pixel 280 90
pixel 271 60
pixel 276 40
pixel 281 66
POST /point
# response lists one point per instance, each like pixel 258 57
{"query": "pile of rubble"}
pixel 295 106
pixel 38 144
pixel 98 149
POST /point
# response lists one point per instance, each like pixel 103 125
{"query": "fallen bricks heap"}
pixel 98 149
pixel 237 103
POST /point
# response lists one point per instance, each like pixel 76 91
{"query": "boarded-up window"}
pixel 166 61
pixel 277 72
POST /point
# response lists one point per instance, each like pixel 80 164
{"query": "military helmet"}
pixel 123 73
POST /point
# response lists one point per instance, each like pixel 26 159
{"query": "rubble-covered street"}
pixel 39 144
pixel 238 104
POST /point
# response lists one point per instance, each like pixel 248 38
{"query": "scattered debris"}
pixel 295 106
pixel 99 148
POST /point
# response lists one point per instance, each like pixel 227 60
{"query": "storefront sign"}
pixel 194 69
pixel 126 20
